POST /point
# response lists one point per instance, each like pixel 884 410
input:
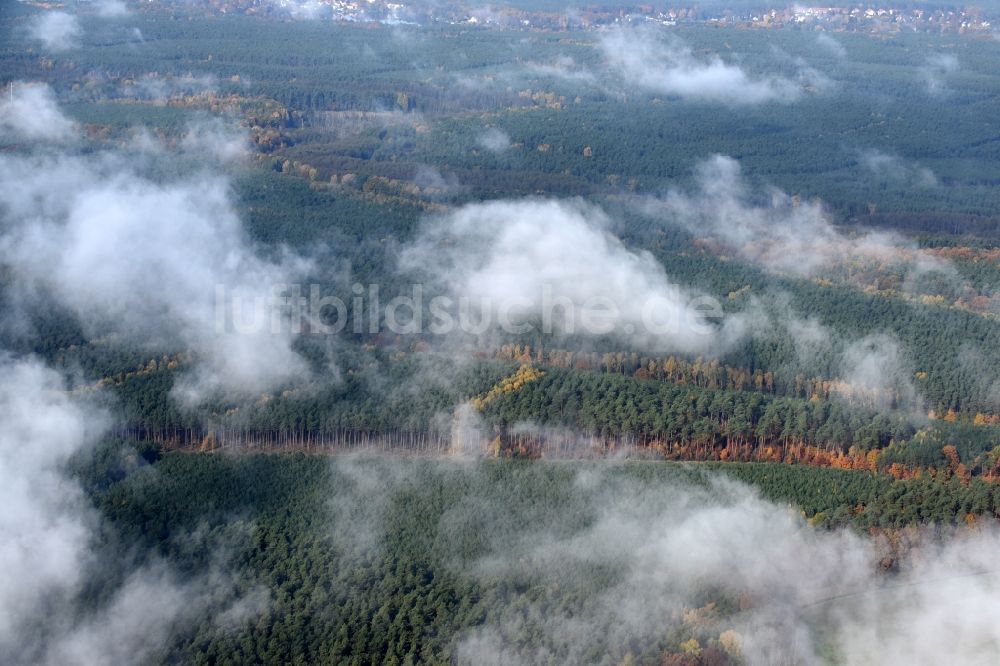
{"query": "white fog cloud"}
pixel 894 168
pixel 138 620
pixel 641 560
pixel 494 140
pixel 111 8
pixel 938 67
pixel 831 45
pixel 534 259
pixel 33 113
pixel 642 59
pixel 770 227
pixel 433 182
pixel 563 67
pixel 876 368
pixel 672 543
pixel 871 370
pixel 216 139
pixel 147 260
pixel 43 518
pixel 807 76
pixel 57 31
pixel 48 543
pixel 162 88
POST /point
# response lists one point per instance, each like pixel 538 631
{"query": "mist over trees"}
pixel 282 381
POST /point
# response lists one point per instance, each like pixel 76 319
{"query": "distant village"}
pixel 870 19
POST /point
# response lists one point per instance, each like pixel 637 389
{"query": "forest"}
pixel 410 591
pixel 226 445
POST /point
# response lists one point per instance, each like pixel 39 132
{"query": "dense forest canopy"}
pixel 587 335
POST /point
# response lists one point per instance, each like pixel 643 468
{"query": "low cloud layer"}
pixel 629 562
pixel 877 371
pixel 160 262
pixel 56 31
pixel 772 228
pixel 670 67
pixel 893 168
pixel 557 261
pixel 147 260
pixel 42 517
pixel 494 140
pixel 830 44
pixel 564 68
pixel 111 8
pixel 666 546
pixel 162 88
pixel 50 540
pixel 215 139
pixel 871 370
pixel 32 113
pixel 939 66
